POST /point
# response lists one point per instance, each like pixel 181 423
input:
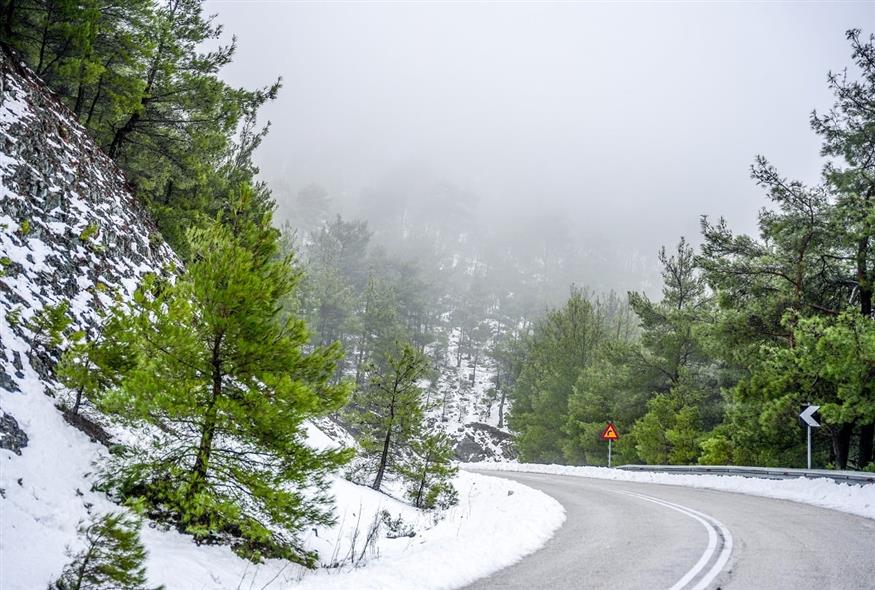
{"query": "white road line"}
pixel 709 522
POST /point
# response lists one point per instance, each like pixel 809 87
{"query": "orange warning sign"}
pixel 610 432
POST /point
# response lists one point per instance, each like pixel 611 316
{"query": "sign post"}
pixel 807 417
pixel 610 435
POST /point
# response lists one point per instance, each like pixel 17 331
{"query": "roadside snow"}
pixel 495 524
pixel 825 493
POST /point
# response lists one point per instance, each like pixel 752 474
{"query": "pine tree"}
pixel 428 469
pixel 224 375
pixel 135 74
pixel 91 366
pixel 391 411
pixel 380 326
pixel 849 141
pixel 671 367
pixel 113 557
pixel 48 325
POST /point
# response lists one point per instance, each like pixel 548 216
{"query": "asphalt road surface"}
pixel 622 535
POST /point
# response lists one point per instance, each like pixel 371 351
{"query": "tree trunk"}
pixel 867 432
pixel 501 410
pixel 94 101
pixel 78 401
pixel 121 135
pixel 80 93
pixel 474 372
pixel 208 429
pixel 842 445
pixel 418 500
pixel 459 350
pixel 360 359
pixel 44 41
pixel 83 567
pixel 384 458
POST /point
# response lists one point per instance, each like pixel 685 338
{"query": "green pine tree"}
pixel 113 557
pixel 91 366
pixel 563 344
pixel 228 380
pixel 48 326
pixel 390 411
pixel 428 470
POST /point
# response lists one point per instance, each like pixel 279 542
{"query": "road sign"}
pixel 610 432
pixel 610 435
pixel 807 416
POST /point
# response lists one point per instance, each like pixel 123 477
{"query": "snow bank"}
pixel 825 493
pixel 496 523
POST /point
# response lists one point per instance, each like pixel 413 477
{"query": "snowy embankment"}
pixel 46 494
pixel 495 524
pixel 825 493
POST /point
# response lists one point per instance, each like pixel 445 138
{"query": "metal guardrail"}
pixel 856 477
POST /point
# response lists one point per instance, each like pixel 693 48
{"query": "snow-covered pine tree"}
pixel 113 557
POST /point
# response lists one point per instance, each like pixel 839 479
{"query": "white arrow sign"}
pixel 807 416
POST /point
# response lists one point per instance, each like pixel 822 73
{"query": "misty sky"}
pixel 626 121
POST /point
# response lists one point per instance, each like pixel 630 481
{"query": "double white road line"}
pixel 719 539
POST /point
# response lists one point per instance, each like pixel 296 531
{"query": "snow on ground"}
pixel 826 493
pixel 495 524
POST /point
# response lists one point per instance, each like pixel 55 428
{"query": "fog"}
pixel 609 127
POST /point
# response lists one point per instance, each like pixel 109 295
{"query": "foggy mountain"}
pixel 610 128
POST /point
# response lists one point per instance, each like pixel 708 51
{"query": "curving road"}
pixel 624 535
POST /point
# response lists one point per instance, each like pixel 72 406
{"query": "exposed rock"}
pixel 94 430
pixel 475 442
pixel 7 382
pixel 12 437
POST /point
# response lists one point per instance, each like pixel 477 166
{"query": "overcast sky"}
pixel 628 120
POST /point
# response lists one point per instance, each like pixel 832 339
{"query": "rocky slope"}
pixel 466 406
pixel 70 230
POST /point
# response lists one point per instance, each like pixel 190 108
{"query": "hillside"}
pixel 71 229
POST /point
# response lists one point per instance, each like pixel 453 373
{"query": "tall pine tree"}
pixel 227 381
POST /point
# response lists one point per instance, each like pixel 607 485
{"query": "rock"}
pixel 475 442
pixel 12 437
pixel 7 382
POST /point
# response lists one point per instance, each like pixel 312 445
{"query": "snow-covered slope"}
pixel 70 230
pixel 467 406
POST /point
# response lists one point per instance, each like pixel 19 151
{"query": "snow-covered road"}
pixel 624 534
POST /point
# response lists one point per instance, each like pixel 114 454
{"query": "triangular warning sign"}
pixel 610 432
